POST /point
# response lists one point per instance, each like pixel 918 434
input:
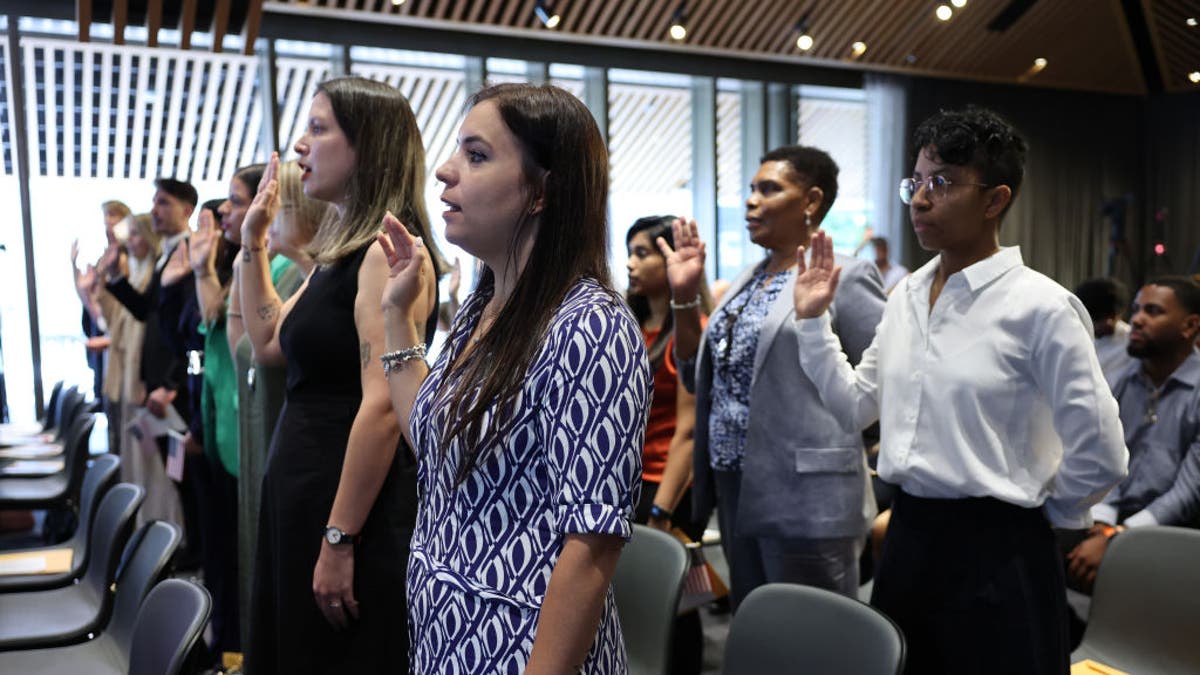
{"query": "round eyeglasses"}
pixel 936 187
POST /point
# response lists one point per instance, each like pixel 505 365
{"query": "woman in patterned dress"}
pixel 529 426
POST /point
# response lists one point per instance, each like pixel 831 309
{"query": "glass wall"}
pixel 835 120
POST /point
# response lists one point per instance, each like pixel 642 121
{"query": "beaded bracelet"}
pixel 395 361
pixel 686 305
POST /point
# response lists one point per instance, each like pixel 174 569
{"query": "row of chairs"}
pixel 1145 607
pixel 113 611
pixel 63 442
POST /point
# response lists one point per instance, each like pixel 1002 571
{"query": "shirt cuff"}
pixel 592 519
pixel 1142 518
pixel 815 327
pixel 1104 513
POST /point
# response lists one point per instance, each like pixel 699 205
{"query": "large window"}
pixel 835 120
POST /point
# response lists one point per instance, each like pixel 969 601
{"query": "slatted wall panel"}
pixel 296 81
pixel 839 128
pixel 730 182
pixel 650 138
pixel 7 148
pixel 99 110
pixel 437 98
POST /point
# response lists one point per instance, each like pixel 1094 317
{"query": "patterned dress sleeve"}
pixel 593 418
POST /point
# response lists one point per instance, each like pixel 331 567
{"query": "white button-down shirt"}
pixel 996 392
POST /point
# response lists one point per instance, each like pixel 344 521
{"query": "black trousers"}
pixel 976 585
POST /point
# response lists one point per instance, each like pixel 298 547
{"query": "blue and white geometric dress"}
pixel 482 552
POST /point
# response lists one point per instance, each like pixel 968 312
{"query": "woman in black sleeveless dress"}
pixel 339 493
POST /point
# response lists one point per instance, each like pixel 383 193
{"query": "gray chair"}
pixel 1146 603
pixel 59 489
pixel 788 628
pixel 646 585
pixel 101 476
pixel 61 616
pixel 147 559
pixel 168 627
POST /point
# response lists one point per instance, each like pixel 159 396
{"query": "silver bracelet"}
pixel 395 361
pixel 686 305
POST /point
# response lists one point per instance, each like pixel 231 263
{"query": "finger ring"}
pixel 335 605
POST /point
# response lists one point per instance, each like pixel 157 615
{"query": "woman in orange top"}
pixel 667 458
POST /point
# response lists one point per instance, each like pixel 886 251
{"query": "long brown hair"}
pixel 389 168
pixel 560 141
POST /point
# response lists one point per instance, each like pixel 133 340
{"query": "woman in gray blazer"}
pixel 790 485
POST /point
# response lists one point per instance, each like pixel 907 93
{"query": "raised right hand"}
pixel 685 262
pixel 264 208
pixel 410 274
pixel 816 281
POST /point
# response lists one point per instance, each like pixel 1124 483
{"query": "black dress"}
pixel 288 633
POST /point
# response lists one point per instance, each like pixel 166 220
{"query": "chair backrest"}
pixel 788 628
pixel 170 622
pixel 50 421
pixel 75 455
pixel 100 477
pixel 69 403
pixel 1146 601
pixel 110 531
pixel 646 585
pixel 144 565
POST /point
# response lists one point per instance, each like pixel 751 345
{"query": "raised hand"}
pixel 264 208
pixel 816 281
pixel 685 262
pixel 110 262
pixel 410 276
pixel 203 244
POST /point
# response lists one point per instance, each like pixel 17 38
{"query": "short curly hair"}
pixel 812 164
pixel 977 138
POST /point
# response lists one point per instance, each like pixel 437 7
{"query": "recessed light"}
pixel 1191 21
pixel 397 3
pixel 959 3
pixel 943 12
pixel 1194 76
pixel 804 42
pixel 858 48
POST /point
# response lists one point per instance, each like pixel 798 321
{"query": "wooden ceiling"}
pixel 1090 45
pixel 216 17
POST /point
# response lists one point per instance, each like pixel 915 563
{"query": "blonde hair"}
pixel 304 214
pixel 115 206
pixel 388 173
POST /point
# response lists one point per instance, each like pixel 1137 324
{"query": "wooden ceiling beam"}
pixel 120 20
pixel 187 23
pixel 253 24
pixel 83 16
pixel 154 15
pixel 220 25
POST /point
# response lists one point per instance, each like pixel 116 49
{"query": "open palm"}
pixel 202 247
pixel 265 206
pixel 685 262
pixel 816 281
pixel 410 274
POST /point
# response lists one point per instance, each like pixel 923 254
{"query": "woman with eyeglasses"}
pixel 790 485
pixel 996 420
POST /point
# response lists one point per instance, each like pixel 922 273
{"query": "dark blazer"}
pixel 803 476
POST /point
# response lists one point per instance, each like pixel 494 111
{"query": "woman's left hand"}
pixel 333 584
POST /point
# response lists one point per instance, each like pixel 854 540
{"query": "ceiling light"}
pixel 804 42
pixel 678 30
pixel 1039 63
pixel 804 39
pixel 397 3
pixel 1194 76
pixel 1191 21
pixel 959 3
pixel 548 18
pixel 858 49
pixel 943 12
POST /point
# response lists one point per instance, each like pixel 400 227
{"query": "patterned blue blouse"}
pixel 571 462
pixel 732 340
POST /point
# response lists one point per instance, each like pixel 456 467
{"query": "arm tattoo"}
pixel 269 312
pixel 364 354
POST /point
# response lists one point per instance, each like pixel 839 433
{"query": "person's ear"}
pixel 538 203
pixel 816 199
pixel 1191 327
pixel 999 198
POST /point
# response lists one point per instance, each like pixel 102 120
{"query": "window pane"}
pixel 835 120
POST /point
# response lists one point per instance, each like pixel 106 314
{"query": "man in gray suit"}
pixel 1159 399
pixel 791 486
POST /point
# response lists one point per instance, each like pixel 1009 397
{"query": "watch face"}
pixel 333 535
